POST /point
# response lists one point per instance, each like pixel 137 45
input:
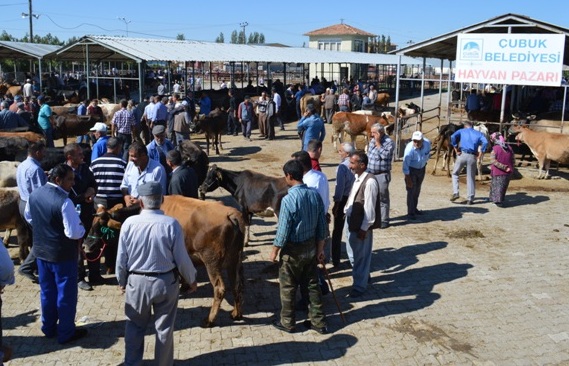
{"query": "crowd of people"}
pixel 59 207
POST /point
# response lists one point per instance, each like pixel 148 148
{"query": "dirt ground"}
pixel 464 285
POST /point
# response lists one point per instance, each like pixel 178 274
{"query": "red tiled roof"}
pixel 339 30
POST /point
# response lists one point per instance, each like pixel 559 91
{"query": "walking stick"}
pixel 332 290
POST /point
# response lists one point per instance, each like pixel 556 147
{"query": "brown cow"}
pixel 382 100
pixel 213 234
pixel 442 143
pixel 545 146
pixel 354 124
pixel 29 136
pixel 307 99
pixel 10 218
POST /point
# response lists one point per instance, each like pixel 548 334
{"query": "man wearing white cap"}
pixel 415 158
pixel 28 89
pixel 100 147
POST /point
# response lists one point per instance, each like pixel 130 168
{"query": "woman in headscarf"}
pixel 502 167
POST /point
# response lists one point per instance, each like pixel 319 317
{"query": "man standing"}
pixel 344 182
pixel 311 126
pixel 360 213
pixel 262 104
pixel 245 114
pixel 29 177
pixel 467 154
pixel 300 235
pixel 380 154
pixel 108 171
pixel 344 101
pixel 28 89
pixel 277 103
pixel 232 126
pixel 159 147
pixel 57 228
pixel 82 195
pixel 140 169
pixel 100 147
pixel 415 158
pixel 184 180
pixel 150 256
pixel 123 126
pixel 329 102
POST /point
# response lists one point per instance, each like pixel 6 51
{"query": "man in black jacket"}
pixel 184 180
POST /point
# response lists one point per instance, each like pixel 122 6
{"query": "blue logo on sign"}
pixel 471 49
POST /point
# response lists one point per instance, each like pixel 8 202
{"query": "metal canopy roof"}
pixel 10 49
pixel 101 48
pixel 444 46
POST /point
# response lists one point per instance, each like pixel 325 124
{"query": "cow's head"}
pixel 104 230
pixel 212 181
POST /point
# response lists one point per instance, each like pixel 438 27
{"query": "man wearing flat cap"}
pixel 159 147
pixel 415 158
pixel 150 256
pixel 139 170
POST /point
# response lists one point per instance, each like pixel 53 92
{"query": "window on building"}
pixel 358 46
pixel 330 45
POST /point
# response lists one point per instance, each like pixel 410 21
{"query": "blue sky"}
pixel 280 21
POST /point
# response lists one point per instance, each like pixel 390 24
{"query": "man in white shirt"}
pixel 360 211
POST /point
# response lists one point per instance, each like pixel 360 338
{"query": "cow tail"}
pixel 238 223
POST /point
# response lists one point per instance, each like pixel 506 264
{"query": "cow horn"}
pixel 114 224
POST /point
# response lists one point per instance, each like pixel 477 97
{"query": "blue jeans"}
pixel 58 295
pixel 48 137
pixel 359 254
pixel 246 128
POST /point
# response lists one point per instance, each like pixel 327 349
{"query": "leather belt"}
pixel 381 172
pixel 151 274
pixel 468 152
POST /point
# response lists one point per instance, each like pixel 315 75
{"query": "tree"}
pixel 261 38
pixel 242 38
pixel 234 37
pixel 180 37
pixel 220 38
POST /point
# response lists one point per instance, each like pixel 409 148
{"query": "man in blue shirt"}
pixel 311 127
pixel 29 177
pixel 100 147
pixel 470 142
pixel 415 158
pixel 300 235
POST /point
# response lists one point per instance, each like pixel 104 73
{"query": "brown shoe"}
pixel 7 350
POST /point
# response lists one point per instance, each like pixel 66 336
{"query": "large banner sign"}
pixel 516 59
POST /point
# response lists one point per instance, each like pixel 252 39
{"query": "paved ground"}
pixel 464 285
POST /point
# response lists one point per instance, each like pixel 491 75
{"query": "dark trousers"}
pixel 339 218
pixel 232 124
pixel 298 268
pixel 417 176
pixel 29 265
pixel 126 142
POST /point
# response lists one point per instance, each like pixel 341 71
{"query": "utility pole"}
pixel 31 24
pixel 243 25
pixel 126 22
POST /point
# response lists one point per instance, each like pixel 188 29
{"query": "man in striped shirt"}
pixel 109 171
pixel 123 126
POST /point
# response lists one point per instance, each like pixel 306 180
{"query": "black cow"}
pixel 194 157
pixel 213 125
pixel 256 193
